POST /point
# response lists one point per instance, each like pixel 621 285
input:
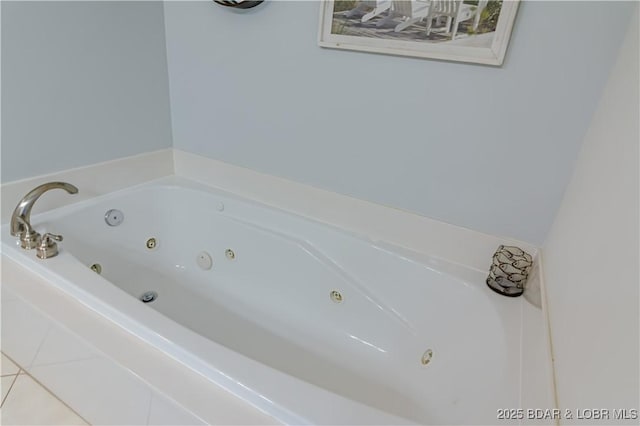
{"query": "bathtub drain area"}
pixel 148 296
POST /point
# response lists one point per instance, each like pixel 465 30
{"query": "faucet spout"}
pixel 21 218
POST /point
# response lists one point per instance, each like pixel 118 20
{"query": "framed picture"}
pixel 475 31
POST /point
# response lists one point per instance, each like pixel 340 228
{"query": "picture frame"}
pixel 473 31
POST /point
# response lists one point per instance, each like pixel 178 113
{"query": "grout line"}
pixel 150 403
pixel 549 332
pixel 10 387
pixel 522 331
pixel 26 373
pixel 13 361
pixel 22 371
pixel 44 338
pixel 48 364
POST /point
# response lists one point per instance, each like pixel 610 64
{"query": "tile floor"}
pixel 21 393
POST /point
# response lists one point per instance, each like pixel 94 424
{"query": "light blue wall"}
pixel 82 82
pixel 482 147
pixel 487 148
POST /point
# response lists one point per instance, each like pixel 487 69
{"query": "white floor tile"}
pixel 100 391
pixel 23 330
pixel 8 367
pixel 6 383
pixel 163 411
pixel 26 394
pixel 61 345
pixel 7 294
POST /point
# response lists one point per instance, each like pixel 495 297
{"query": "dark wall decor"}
pixel 239 4
pixel 509 271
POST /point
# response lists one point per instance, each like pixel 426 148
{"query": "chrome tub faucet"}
pixel 21 221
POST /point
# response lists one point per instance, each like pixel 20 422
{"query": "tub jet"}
pixel 114 217
pixel 148 296
pixel 336 296
pixel 426 357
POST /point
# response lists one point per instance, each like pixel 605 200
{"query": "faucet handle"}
pixel 49 236
pixel 48 247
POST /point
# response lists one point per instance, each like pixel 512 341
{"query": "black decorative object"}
pixel 239 4
pixel 509 271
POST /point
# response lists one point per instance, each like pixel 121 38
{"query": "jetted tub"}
pixel 308 323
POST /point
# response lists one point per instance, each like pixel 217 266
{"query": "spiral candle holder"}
pixel 509 271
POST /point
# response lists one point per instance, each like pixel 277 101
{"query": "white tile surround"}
pixel 54 337
pixel 21 393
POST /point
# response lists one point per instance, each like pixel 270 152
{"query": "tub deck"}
pixel 264 324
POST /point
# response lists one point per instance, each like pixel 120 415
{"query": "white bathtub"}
pixel 263 324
